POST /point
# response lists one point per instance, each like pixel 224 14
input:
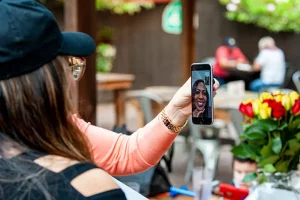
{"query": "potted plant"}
pixel 271 135
pixel 106 51
pixel 106 54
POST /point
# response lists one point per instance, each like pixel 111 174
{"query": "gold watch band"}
pixel 168 123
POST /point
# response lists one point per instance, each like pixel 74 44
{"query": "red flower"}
pixel 278 110
pixel 269 101
pixel 296 107
pixel 247 109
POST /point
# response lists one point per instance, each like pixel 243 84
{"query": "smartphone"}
pixel 202 93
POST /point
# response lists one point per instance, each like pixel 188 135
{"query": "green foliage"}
pixel 122 6
pixel 115 6
pixel 273 15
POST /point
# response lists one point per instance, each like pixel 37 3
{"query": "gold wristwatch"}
pixel 168 123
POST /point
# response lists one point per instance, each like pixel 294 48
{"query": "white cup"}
pixel 202 183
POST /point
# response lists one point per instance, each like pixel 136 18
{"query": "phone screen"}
pixel 202 93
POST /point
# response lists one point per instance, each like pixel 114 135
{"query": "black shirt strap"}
pixel 75 170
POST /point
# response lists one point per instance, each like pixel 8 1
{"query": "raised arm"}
pixel 119 154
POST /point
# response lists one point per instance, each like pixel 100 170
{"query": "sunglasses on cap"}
pixel 77 66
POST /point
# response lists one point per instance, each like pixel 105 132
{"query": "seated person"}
pixel 227 56
pixel 241 167
pixel 271 62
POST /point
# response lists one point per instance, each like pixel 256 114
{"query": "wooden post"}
pixel 80 15
pixel 187 39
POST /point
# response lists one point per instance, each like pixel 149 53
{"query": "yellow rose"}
pixel 255 106
pixel 265 111
pixel 265 95
pixel 286 102
pixel 277 93
pixel 293 97
pixel 247 101
pixel 278 98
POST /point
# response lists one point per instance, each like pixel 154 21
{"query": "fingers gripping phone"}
pixel 202 93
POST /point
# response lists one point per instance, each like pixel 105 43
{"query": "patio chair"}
pixel 296 80
pixel 146 99
pixel 208 146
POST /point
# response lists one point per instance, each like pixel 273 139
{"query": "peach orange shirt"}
pixel 120 154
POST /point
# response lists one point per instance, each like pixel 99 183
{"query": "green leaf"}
pixel 294 145
pixel 240 151
pixel 282 166
pixel 270 160
pixel 250 177
pixel 298 136
pixel 257 143
pixel 289 153
pixel 266 151
pixel 254 133
pixel 262 178
pixel 269 168
pixel 283 127
pixel 252 151
pixel 266 124
pixel 276 145
pixel 276 134
pixel 294 125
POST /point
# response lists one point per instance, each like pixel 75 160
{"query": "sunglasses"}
pixel 77 66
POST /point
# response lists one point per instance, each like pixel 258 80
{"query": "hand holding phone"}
pixel 202 93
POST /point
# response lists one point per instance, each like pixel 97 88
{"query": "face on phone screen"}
pixel 202 94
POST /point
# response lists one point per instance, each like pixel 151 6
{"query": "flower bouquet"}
pixel 271 134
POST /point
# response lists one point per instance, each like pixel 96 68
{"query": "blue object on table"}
pixel 183 190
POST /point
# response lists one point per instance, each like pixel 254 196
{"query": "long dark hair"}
pixel 35 116
pixel 35 111
pixel 194 88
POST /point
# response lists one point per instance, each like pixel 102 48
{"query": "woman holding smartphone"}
pixel 45 151
pixel 120 154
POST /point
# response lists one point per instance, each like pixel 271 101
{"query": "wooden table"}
pixel 118 83
pixel 246 75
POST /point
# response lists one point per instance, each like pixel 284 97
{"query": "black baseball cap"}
pixel 30 38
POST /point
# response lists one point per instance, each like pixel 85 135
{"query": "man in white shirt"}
pixel 271 62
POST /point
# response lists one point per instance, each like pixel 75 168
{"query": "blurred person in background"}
pixel 229 55
pixel 242 167
pixel 271 64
